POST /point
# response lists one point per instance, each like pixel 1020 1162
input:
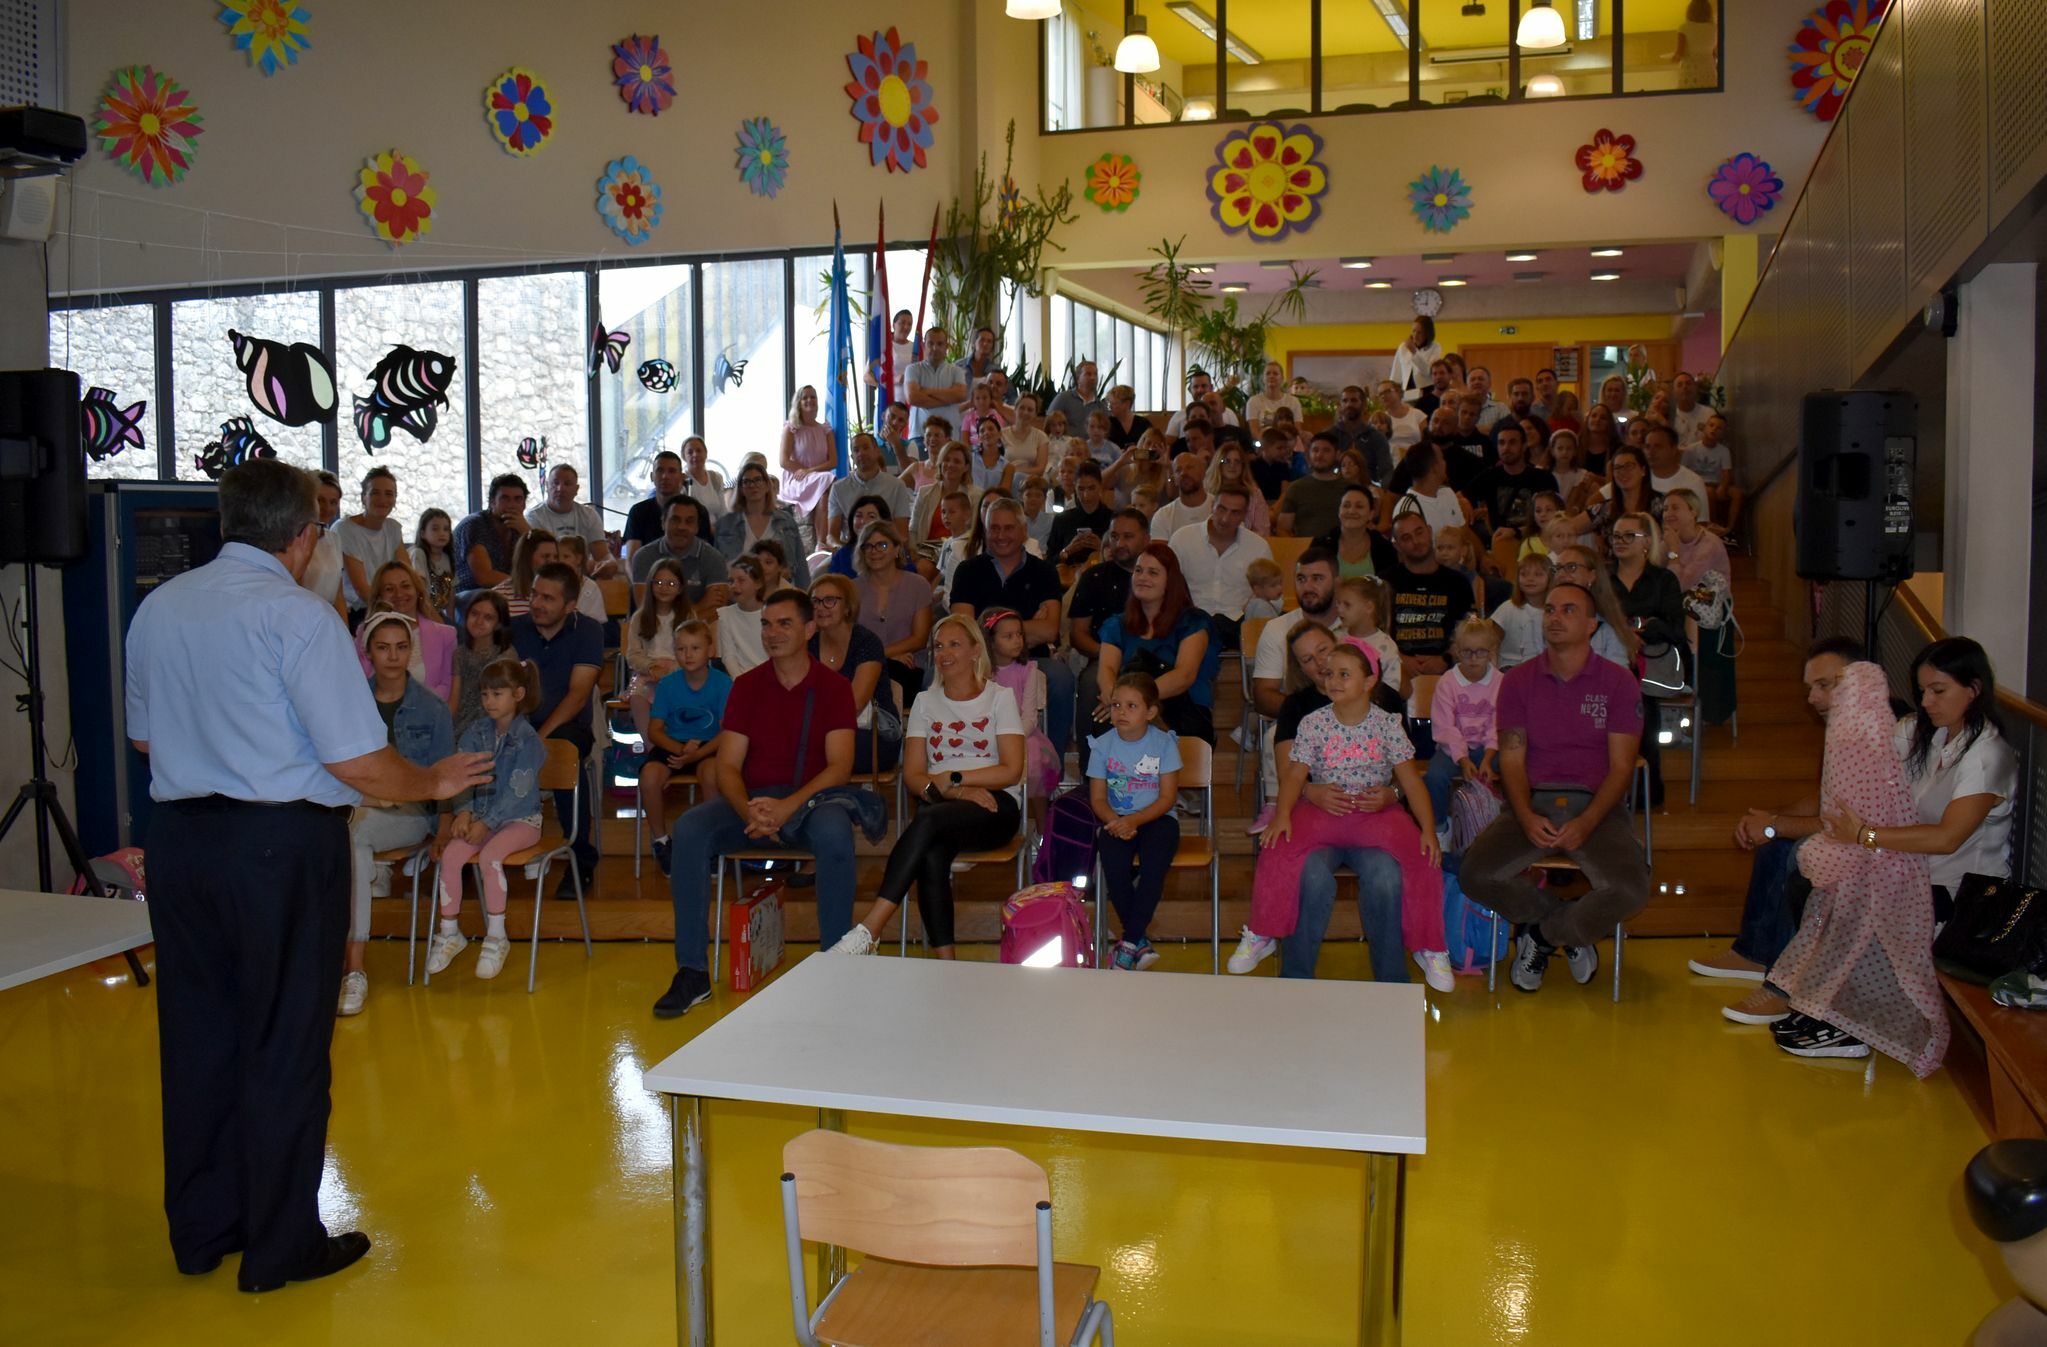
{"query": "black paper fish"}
pixel 238 443
pixel 411 387
pixel 532 452
pixel 293 384
pixel 724 371
pixel 658 376
pixel 105 427
pixel 607 347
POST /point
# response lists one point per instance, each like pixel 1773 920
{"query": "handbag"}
pixel 1999 926
pixel 1663 670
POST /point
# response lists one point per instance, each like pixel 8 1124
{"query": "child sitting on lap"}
pixel 1268 589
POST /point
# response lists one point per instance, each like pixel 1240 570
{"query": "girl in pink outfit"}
pixel 1463 715
pixel 1004 630
pixel 1344 756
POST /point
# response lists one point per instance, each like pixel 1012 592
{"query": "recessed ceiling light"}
pixel 1606 252
pixel 1202 268
pixel 1235 288
pixel 1378 285
pixel 1447 281
pixel 1529 275
pixel 1597 276
pixel 1356 263
pixel 1437 259
pixel 1521 257
pixel 1271 265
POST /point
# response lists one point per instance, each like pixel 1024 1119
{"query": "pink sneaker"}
pixel 1262 822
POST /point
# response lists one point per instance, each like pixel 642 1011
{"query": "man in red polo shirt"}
pixel 1570 725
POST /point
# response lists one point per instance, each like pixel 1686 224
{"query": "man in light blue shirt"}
pixel 246 693
pixel 934 384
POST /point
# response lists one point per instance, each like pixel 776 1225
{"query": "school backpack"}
pixel 1068 846
pixel 1473 807
pixel 1047 926
pixel 1469 928
pixel 120 873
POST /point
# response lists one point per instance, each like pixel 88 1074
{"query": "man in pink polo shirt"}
pixel 1570 725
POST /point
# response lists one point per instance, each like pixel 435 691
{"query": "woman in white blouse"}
pixel 1411 362
pixel 1409 425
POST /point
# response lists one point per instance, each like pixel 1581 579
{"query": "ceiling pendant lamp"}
pixel 1137 54
pixel 1032 9
pixel 1541 26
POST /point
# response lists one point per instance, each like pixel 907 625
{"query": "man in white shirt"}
pixel 1200 388
pixel 1687 414
pixel 869 477
pixel 1666 472
pixel 1214 554
pixel 1478 379
pixel 1192 505
pixel 934 384
pixel 560 515
pixel 1259 410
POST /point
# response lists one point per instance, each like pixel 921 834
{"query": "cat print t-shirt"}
pixel 961 736
pixel 1132 767
pixel 1354 757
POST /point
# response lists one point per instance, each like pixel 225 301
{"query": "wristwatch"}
pixel 1770 829
pixel 958 780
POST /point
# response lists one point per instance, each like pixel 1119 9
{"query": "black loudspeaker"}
pixel 42 468
pixel 1857 452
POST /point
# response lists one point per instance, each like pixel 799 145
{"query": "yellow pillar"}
pixel 1738 266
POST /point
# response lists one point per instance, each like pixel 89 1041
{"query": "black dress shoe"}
pixel 199 1267
pixel 338 1252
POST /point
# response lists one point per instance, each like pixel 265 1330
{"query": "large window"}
pixel 370 321
pixel 208 387
pixel 532 349
pixel 1124 352
pixel 743 366
pixel 655 306
pixel 114 348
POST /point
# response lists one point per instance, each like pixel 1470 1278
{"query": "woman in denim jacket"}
pixel 422 731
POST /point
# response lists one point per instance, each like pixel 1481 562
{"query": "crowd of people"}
pixel 1489 602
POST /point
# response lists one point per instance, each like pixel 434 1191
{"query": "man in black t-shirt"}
pixel 1469 450
pixel 643 523
pixel 1078 530
pixel 1006 576
pixel 1501 494
pixel 1429 599
pixel 1272 467
pixel 1100 594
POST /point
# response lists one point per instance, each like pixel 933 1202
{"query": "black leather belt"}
pixel 210 802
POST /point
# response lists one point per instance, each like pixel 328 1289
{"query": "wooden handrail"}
pixel 2007 700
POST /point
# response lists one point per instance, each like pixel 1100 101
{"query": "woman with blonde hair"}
pixel 808 456
pixel 397 587
pixel 1232 467
pixel 1141 465
pixel 757 516
pixel 955 473
pixel 1601 437
pixel 1028 448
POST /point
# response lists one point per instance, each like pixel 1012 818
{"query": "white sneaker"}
pixel 859 940
pixel 355 989
pixel 1251 951
pixel 1436 970
pixel 492 959
pixel 380 882
pixel 443 951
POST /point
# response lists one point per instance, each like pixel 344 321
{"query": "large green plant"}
pixel 1216 333
pixel 979 249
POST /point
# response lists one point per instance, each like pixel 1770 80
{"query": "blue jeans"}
pixel 1442 777
pixel 1059 694
pixel 711 829
pixel 1775 903
pixel 1378 911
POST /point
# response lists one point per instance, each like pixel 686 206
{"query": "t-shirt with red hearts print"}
pixel 961 736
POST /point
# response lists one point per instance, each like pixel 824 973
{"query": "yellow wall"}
pixel 1456 335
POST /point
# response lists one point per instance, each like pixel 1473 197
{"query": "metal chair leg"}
pixel 639 823
pixel 718 917
pixel 412 926
pixel 1620 938
pixel 1698 747
pixel 1492 967
pixel 582 913
pixel 1215 911
pixel 539 898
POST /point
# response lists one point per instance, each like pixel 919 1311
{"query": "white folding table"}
pixel 1255 1061
pixel 45 933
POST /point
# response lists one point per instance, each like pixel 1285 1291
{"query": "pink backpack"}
pixel 1047 926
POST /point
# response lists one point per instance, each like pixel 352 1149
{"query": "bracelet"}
pixel 1868 838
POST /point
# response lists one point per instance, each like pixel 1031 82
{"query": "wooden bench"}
pixel 1998 1059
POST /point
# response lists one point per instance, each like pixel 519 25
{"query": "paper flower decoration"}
pixel 640 69
pixel 1440 199
pixel 1609 162
pixel 892 101
pixel 1112 182
pixel 393 194
pixel 629 200
pixel 267 30
pixel 763 156
pixel 1266 181
pixel 1828 52
pixel 148 122
pixel 1745 187
pixel 520 113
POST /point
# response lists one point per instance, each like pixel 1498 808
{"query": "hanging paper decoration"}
pixel 1112 182
pixel 1745 187
pixel 293 384
pixel 532 453
pixel 148 123
pixel 238 444
pixel 1267 181
pixel 409 389
pixel 1440 199
pixel 892 101
pixel 105 427
pixel 763 156
pixel 519 112
pixel 640 69
pixel 629 200
pixel 393 195
pixel 725 370
pixel 608 347
pixel 1608 163
pixel 657 376
pixel 267 29
pixel 1829 50
pixel 1009 201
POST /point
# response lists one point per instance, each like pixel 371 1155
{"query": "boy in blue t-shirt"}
pixel 682 729
pixel 1134 784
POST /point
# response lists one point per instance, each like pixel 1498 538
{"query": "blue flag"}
pixel 841 356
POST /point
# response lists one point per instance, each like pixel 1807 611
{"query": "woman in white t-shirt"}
pixel 371 538
pixel 1409 425
pixel 1262 408
pixel 1962 772
pixel 1410 369
pixel 963 757
pixel 1422 482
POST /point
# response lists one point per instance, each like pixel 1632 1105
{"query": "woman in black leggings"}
pixel 963 756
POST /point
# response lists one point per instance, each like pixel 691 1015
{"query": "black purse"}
pixel 1998 927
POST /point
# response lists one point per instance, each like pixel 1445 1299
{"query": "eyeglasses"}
pixel 753 481
pixel 1619 534
pixel 665 583
pixel 1563 566
pixel 1475 652
pixel 876 545
pixel 826 601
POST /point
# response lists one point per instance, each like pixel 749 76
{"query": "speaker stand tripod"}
pixel 39 791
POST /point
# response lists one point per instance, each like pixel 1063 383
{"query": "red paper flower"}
pixel 1609 162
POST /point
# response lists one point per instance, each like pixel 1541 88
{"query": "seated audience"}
pixel 1133 786
pixel 574 553
pixel 1140 468
pixel 1078 531
pixel 1191 503
pixel 534 549
pixel 1101 593
pixel 1428 599
pixel 1268 589
pixel 989 469
pixel 1520 617
pixel 643 521
pixel 560 514
pixel 1201 392
pixel 1713 461
pixel 1025 444
pixel 1654 605
pixel 682 728
pixel 1463 718
pixel 847 648
pixel 869 479
pixel 1409 424
pixel 969 788
pixel 368 540
pixel 1615 637
pixel 1421 485
pixel 1039 517
pixel 703 483
pixel 928 524
pixel 1570 725
pixel 784 745
pixel 867 510
pixel 1315 592
pixel 1260 408
pixel 1162 633
pixel 1232 467
pixel 1705 579
pixel 1361 604
pixel 650 638
pixel 433 560
pixel 484 541
pixel 568 650
pixel 1359 547
pixel 757 517
pixel 1503 495
pixel 1126 427
pixel 895 604
pixel 396 588
pixel 1667 472
pixel 1563 414
pixel 703 566
pixel 1273 466
pixel 486 638
pixel 737 625
pixel 1309 506
pixel 1006 576
pixel 1214 555
pixel 1003 631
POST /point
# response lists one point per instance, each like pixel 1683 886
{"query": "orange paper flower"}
pixel 1113 182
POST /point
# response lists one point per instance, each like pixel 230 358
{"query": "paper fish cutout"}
pixel 105 427
pixel 658 376
pixel 238 443
pixel 532 452
pixel 293 384
pixel 607 347
pixel 411 387
pixel 725 371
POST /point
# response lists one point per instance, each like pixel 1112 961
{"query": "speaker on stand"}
pixel 1858 451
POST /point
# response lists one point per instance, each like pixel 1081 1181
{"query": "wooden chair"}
pixel 1253 727
pixel 618 597
pixel 419 856
pixel 957 1244
pixel 1198 852
pixel 1506 553
pixel 563 770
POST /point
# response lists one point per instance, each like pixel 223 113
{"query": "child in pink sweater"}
pixel 1463 714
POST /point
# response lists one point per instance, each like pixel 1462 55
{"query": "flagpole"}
pixel 924 291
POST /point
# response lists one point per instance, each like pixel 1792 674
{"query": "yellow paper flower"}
pixel 1267 181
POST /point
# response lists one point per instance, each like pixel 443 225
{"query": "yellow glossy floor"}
pixel 1635 1174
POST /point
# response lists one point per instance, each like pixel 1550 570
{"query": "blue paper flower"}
pixel 1440 198
pixel 521 114
pixel 763 156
